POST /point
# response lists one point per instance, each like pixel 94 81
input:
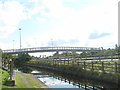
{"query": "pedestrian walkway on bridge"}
pixel 51 49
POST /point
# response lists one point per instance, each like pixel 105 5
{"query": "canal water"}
pixel 53 80
pixel 57 82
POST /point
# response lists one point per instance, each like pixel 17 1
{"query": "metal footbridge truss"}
pixel 50 49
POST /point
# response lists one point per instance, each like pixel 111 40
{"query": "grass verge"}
pixel 4 75
pixel 23 80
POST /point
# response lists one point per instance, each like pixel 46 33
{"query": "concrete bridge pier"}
pixel 57 52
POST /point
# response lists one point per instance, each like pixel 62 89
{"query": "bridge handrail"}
pixel 50 48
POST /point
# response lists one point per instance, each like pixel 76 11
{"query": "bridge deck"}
pixel 50 49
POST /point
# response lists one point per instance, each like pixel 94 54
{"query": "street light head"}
pixel 19 28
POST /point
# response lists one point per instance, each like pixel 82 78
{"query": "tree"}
pixel 21 59
pixel 5 59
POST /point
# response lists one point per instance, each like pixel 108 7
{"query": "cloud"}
pixel 96 35
pixel 11 13
pixel 41 19
pixel 71 24
pixel 68 26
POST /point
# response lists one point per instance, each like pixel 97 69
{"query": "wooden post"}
pixel 55 62
pixel 118 67
pixel 78 63
pixel 111 55
pixel 60 62
pixel 68 61
pixel 99 56
pixel 115 67
pixel 72 62
pixel 92 66
pixel 84 65
pixel 102 66
pixel 64 62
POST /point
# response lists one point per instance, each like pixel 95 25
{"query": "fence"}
pixel 104 66
pixel 101 66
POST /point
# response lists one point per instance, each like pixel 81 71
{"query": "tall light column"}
pixel 52 45
pixel 20 36
pixel 13 45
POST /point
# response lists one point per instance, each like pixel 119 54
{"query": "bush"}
pixel 5 75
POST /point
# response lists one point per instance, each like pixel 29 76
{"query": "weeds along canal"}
pixel 55 80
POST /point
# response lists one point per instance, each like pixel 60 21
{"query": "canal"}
pixel 54 80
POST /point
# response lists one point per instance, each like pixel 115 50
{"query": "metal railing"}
pixel 50 49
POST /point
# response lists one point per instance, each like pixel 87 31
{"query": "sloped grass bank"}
pixel 4 75
pixel 24 80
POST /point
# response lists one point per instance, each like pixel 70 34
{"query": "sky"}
pixel 79 23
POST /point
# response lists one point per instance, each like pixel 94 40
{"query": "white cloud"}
pixel 11 13
pixel 100 18
pixel 41 19
pixel 72 24
pixel 6 31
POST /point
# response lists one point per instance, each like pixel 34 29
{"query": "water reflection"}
pixel 60 80
pixel 52 82
pixel 56 82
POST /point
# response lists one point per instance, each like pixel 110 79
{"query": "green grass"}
pixel 96 64
pixel 4 74
pixel 26 81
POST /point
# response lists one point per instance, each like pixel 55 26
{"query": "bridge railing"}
pixel 37 49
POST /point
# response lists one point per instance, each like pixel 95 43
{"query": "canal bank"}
pixel 54 81
pixel 111 80
pixel 25 80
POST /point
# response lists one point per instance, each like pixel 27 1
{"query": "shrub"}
pixel 5 75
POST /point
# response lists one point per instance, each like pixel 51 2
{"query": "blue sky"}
pixel 83 23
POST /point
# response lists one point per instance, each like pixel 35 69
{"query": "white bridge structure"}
pixel 51 49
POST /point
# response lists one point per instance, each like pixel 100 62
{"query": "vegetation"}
pixel 97 70
pixel 5 75
pixel 74 70
pixel 5 59
pixel 107 53
pixel 21 59
pixel 71 67
pixel 24 80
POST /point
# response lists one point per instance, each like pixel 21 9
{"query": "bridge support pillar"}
pixel 57 54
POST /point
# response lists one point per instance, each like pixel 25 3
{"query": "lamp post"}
pixel 20 36
pixel 13 45
pixel 52 45
pixel 52 42
pixel 52 49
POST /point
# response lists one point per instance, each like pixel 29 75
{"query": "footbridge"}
pixel 50 49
